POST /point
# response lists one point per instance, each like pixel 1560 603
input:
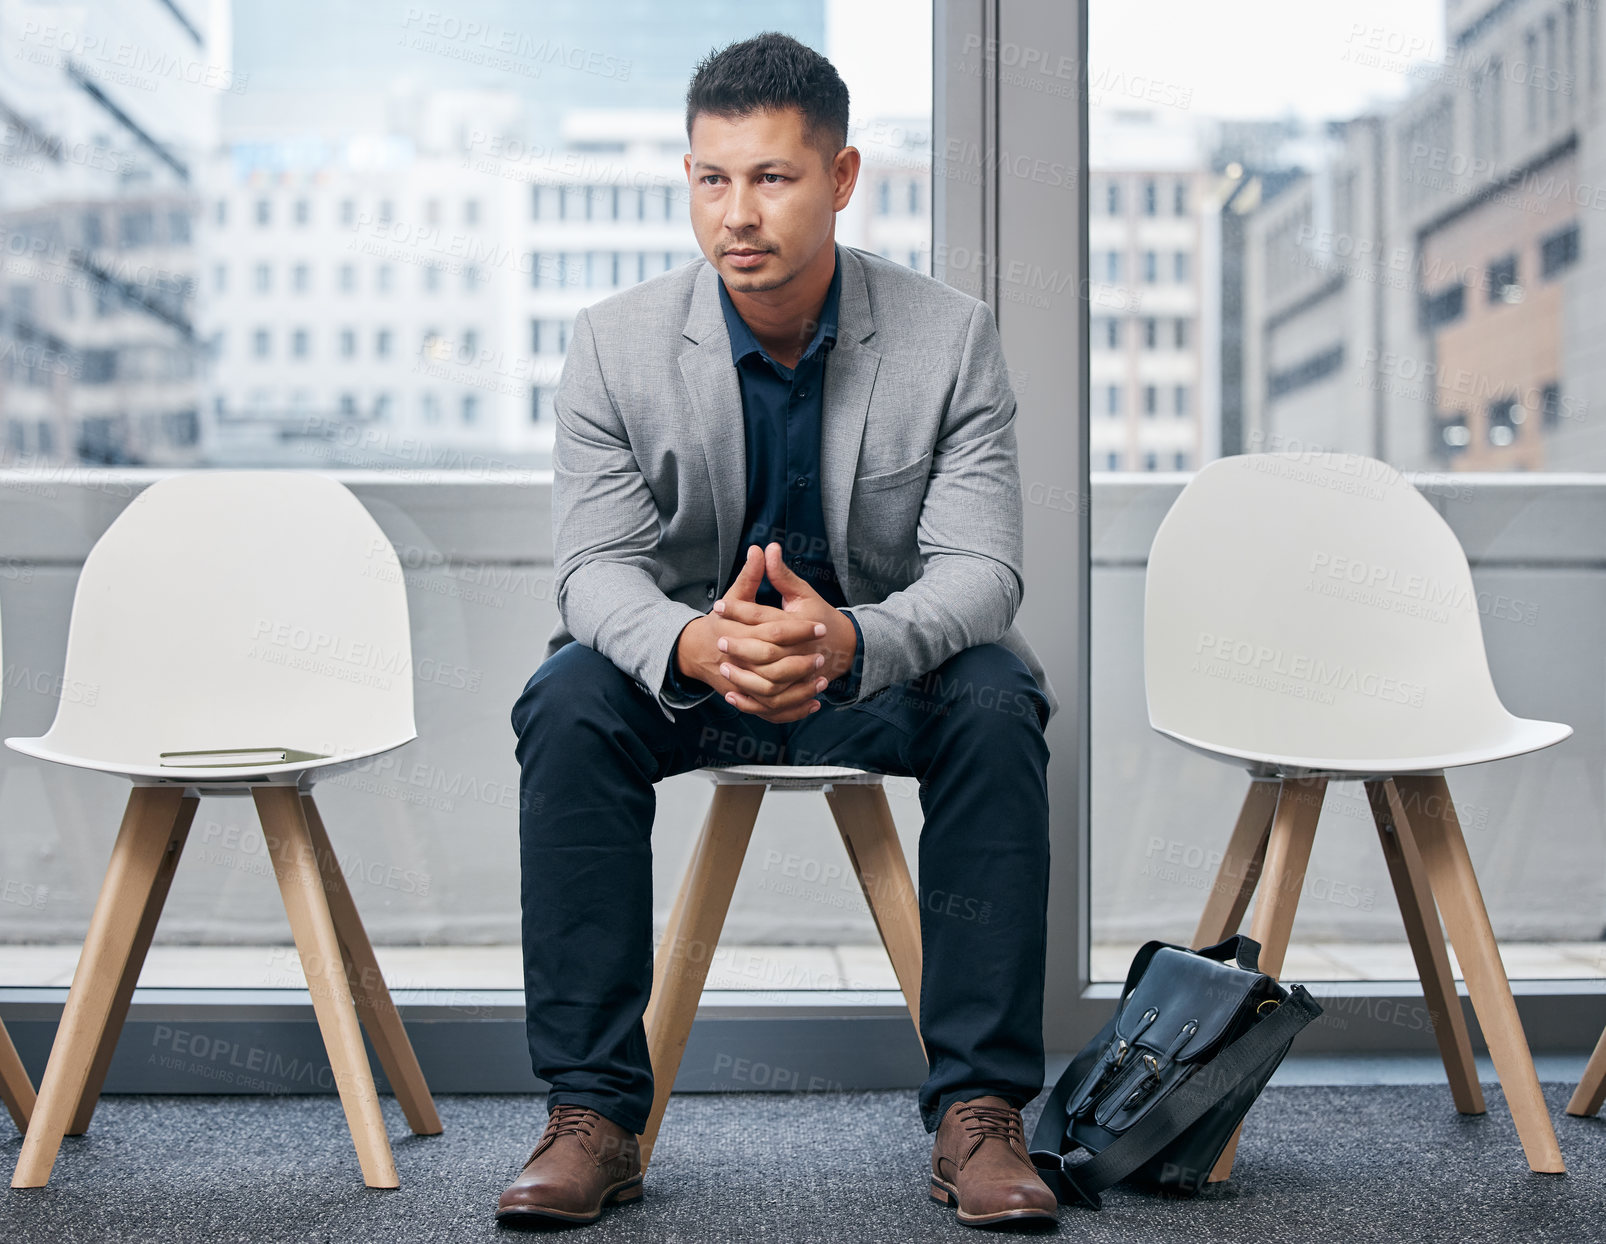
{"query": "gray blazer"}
pixel 920 483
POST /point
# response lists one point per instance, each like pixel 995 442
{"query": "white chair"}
pixel 1311 618
pixel 16 1089
pixel 858 803
pixel 244 632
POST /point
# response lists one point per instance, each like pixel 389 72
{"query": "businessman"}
pixel 787 514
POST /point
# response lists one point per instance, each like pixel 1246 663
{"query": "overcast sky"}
pixel 1235 58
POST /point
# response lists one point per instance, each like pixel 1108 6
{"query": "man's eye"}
pixel 777 177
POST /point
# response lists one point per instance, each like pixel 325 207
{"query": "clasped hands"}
pixel 770 662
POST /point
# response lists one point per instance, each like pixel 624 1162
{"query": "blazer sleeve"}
pixel 970 538
pixel 605 529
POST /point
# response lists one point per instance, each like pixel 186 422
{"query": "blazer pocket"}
pixel 920 469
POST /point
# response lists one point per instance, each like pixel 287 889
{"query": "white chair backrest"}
pixel 237 609
pixel 1314 605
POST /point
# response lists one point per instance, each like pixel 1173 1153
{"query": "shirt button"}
pixel 802 392
pixel 710 593
pixel 802 481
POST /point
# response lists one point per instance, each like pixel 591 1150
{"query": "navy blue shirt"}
pixel 782 411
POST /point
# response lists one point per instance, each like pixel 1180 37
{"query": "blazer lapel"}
pixel 716 399
pixel 850 373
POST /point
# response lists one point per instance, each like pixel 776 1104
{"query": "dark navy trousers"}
pixel 591 746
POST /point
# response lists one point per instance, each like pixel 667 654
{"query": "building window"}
pixel 1180 334
pixel 1112 461
pixel 261 343
pixel 1112 400
pixel 914 197
pixel 1151 200
pixel 1453 434
pixel 1112 265
pixel 1180 398
pixel 382 343
pixel 1308 371
pixel 432 278
pixel 348 343
pixel 1443 308
pixel 431 406
pixel 386 211
pixel 883 203
pixel 301 278
pixel 1558 251
pixel 1112 197
pixel 348 404
pixel 535 336
pixel 471 211
pixel 264 213
pixel 471 408
pixel 469 346
pixel 1179 200
pixel 1151 462
pixel 471 278
pixel 178 232
pixel 1112 332
pixel 540 404
pixel 220 214
pixel 263 278
pixel 1180 461
pixel 348 212
pixel 1506 415
pixel 1530 45
pixel 220 278
pixel 1151 267
pixel 303 212
pixel 382 406
pixel 1503 285
pixel 348 278
pixel 1151 399
pixel 1179 267
pixel 1550 405
pixel 299 343
pixel 1151 332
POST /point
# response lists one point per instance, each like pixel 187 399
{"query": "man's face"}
pixel 763 199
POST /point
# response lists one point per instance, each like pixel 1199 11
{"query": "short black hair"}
pixel 773 71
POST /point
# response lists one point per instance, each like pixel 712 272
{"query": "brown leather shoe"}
pixel 979 1165
pixel 582 1162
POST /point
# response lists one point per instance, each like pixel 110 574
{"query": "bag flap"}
pixel 1186 987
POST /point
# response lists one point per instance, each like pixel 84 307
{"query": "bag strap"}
pixel 1179 1110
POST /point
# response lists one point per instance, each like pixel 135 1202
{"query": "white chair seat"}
pixel 791 777
pixel 138 768
pixel 1523 735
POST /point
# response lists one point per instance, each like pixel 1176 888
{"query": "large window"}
pixel 1380 206
pixel 357 238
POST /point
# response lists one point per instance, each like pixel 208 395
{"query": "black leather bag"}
pixel 1155 1097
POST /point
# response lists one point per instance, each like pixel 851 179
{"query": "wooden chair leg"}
pixel 295 863
pixel 1293 829
pixel 1432 821
pixel 1426 936
pixel 131 970
pixel 146 840
pixel 374 1005
pixel 864 819
pixel 16 1089
pixel 1241 862
pixel 1591 1090
pixel 681 966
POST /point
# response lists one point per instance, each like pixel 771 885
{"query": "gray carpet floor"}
pixel 1320 1164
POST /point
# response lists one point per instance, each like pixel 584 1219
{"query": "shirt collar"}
pixel 743 343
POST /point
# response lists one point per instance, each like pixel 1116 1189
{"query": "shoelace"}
pixel 999 1122
pixel 571 1121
